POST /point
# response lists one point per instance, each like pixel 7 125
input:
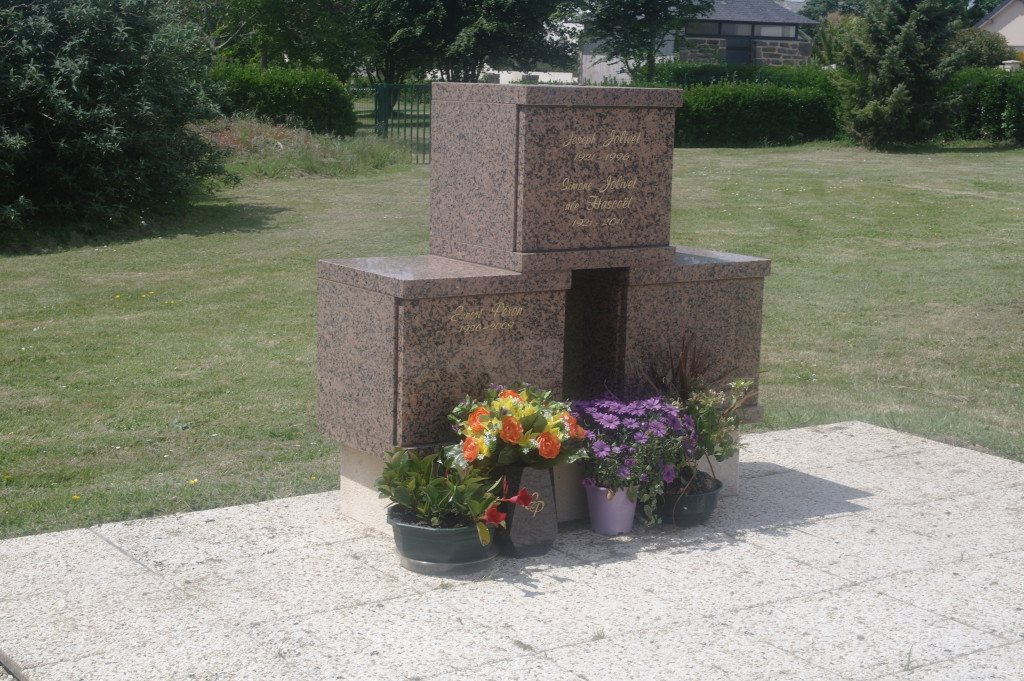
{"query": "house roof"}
pixel 757 11
pixel 999 8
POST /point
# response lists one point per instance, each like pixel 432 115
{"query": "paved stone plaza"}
pixel 852 552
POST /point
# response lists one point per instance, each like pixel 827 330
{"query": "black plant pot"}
pixel 687 510
pixel 528 531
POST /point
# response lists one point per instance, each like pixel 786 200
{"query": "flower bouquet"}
pixel 520 433
pixel 515 426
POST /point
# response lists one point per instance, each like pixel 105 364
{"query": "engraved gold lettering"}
pixel 598 203
pixel 615 183
pixel 569 185
pixel 461 314
pixel 621 137
pixel 574 140
pixel 502 310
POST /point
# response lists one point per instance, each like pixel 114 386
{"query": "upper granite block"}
pixel 557 95
pixel 524 171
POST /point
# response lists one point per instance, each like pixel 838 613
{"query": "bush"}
pixel 312 98
pixel 95 100
pixel 986 104
pixel 684 74
pixel 978 47
pixel 752 114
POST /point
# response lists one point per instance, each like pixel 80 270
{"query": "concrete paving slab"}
pixel 853 552
pixel 857 633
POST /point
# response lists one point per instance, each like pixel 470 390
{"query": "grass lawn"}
pixel 176 370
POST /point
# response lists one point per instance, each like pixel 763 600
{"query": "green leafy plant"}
pixel 716 417
pixel 436 495
pixel 510 426
pixel 312 98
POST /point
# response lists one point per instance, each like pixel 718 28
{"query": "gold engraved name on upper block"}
pixel 598 203
pixel 569 185
pixel 574 140
pixel 617 182
pixel 621 137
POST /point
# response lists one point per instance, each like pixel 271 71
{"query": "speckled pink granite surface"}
pixel 517 173
pixel 549 264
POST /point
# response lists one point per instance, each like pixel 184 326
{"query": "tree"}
pixel 977 9
pixel 394 36
pixel 831 36
pixel 408 38
pixel 633 32
pixel 95 106
pixel 978 47
pixel 314 33
pixel 891 69
pixel 220 21
pixel 819 9
pixel 497 32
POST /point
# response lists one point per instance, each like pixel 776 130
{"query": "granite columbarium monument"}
pixel 549 264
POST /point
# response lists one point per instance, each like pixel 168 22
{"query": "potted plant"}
pixel 689 382
pixel 692 495
pixel 520 433
pixel 440 515
pixel 631 454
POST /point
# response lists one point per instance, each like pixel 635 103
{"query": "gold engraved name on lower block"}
pixel 500 316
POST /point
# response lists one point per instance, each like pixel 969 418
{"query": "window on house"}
pixel 702 28
pixel 735 29
pixel 769 31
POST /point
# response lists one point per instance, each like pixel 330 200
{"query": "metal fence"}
pixel 403 112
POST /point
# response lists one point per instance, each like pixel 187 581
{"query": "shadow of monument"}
pixel 774 500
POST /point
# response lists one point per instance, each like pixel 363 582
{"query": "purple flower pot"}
pixel 610 516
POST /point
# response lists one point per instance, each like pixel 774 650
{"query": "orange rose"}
pixel 511 430
pixel 548 445
pixel 475 424
pixel 470 449
pixel 511 393
pixel 575 431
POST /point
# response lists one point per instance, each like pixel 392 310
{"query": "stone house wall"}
pixel 781 52
pixel 763 51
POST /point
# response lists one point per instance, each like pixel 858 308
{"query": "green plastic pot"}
pixel 440 551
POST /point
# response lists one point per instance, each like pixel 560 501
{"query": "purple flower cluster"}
pixel 628 440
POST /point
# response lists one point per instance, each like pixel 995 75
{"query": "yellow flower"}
pixel 75 497
pixel 193 481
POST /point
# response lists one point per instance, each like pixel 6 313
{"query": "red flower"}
pixel 493 516
pixel 511 393
pixel 475 424
pixel 470 449
pixel 511 430
pixel 523 498
pixel 548 445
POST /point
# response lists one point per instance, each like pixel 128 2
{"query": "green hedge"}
pixel 986 104
pixel 754 114
pixel 312 98
pixel 685 74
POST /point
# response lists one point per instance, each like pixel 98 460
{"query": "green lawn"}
pixel 176 370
